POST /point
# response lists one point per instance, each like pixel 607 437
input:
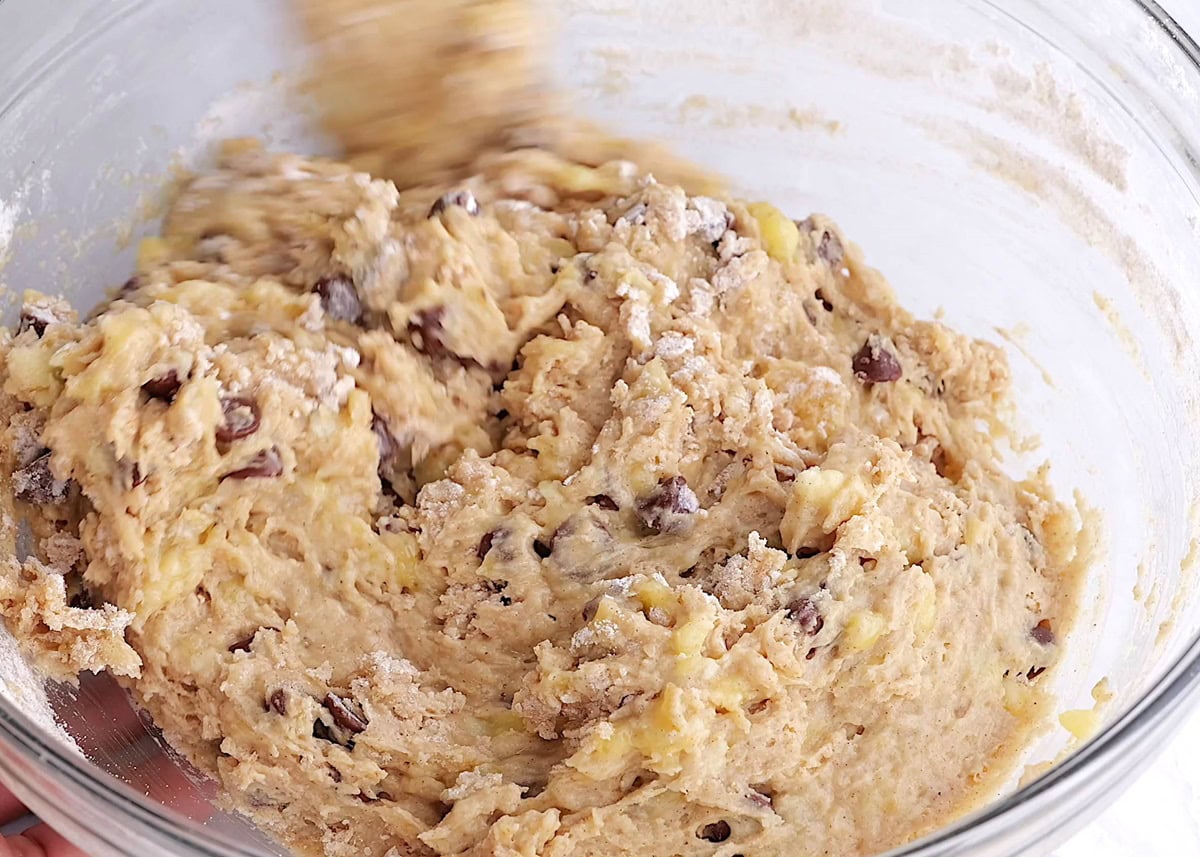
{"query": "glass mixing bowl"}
pixel 1028 168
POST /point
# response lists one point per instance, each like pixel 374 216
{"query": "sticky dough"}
pixel 554 511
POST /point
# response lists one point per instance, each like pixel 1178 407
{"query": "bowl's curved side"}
pixel 1040 151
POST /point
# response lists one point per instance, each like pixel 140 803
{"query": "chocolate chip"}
pixel 542 549
pixel 716 831
pixel 266 465
pixel 1034 672
pixel 589 609
pixel 812 653
pixel 427 332
pixel 278 702
pixel 343 716
pixel 505 601
pixel 830 249
pixel 463 199
pixel 163 387
pixel 604 502
pixel 323 732
pixel 1043 633
pixel 241 418
pixel 339 299
pixel 665 508
pixel 130 286
pixel 485 545
pixel 32 320
pixel 35 483
pixel 243 645
pixel 874 364
pixel 804 613
pixel 379 796
pixel 820 296
pixel 388 447
pixel 502 414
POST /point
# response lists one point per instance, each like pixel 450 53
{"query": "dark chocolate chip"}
pixel 542 549
pixel 35 483
pixel 1043 632
pixel 1034 672
pixel 339 299
pixel 343 715
pixel 804 613
pixel 427 333
pixel 323 732
pixel 266 465
pixel 463 199
pixel 820 296
pixel 34 321
pixel 874 364
pixel 278 702
pixel 163 387
pixel 241 418
pixel 388 447
pixel 830 249
pixel 716 831
pixel 243 645
pixel 604 502
pixel 664 509
pixel 485 545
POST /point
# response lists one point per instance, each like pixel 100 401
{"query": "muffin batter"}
pixel 550 512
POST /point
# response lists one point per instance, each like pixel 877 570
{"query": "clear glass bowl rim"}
pixel 1121 748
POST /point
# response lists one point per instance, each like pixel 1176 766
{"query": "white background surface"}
pixel 1159 816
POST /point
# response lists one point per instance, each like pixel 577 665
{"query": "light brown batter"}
pixel 556 512
pixel 550 510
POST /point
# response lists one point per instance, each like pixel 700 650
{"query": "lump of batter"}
pixel 551 512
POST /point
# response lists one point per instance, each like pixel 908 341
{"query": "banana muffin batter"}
pixel 554 511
